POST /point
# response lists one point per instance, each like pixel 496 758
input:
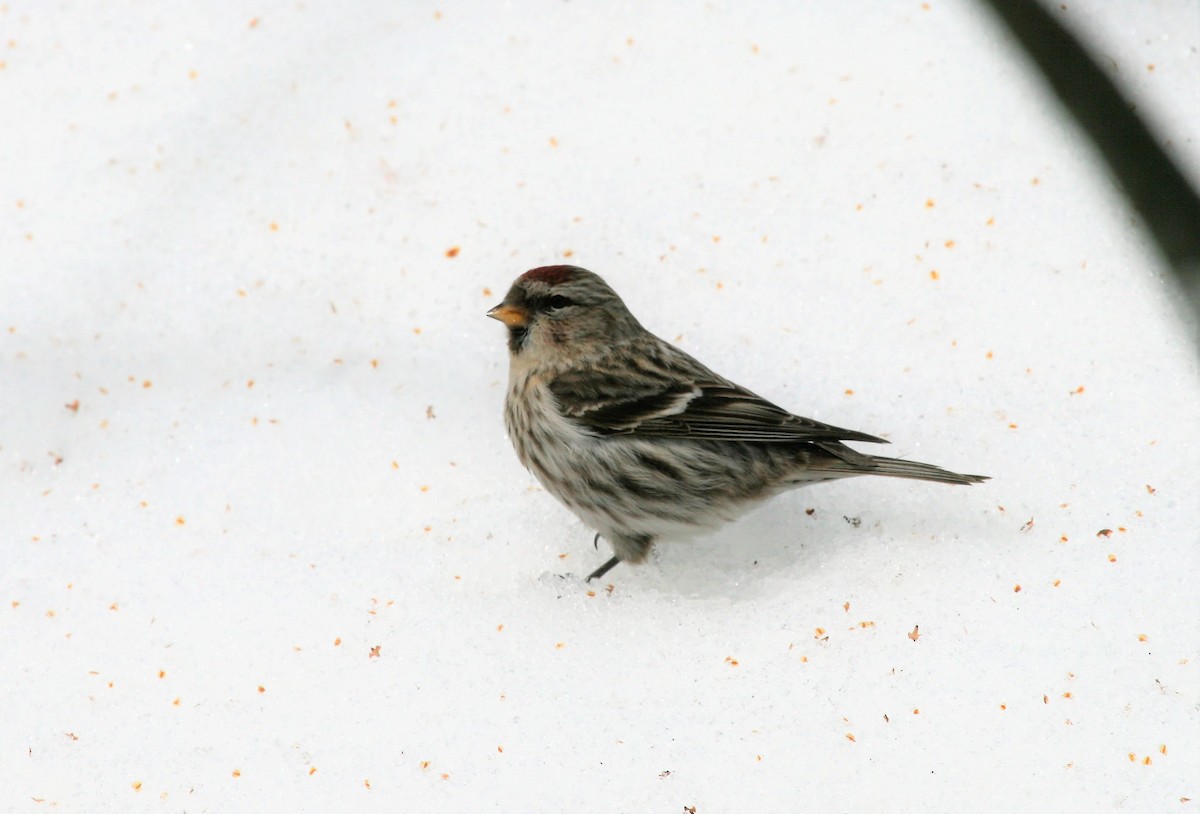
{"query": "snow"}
pixel 266 547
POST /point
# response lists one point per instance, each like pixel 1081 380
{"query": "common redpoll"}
pixel 640 440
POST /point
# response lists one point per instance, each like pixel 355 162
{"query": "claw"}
pixel 602 570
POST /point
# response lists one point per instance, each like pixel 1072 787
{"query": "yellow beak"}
pixel 512 317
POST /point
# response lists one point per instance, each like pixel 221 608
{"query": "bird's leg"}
pixel 596 541
pixel 602 570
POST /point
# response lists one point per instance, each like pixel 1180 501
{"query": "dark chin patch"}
pixel 516 339
pixel 550 275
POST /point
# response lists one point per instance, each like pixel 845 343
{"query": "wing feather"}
pixel 680 398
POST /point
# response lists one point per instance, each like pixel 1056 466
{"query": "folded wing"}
pixel 644 402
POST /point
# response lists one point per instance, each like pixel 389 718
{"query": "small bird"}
pixel 640 440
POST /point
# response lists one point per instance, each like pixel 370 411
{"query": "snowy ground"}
pixel 265 547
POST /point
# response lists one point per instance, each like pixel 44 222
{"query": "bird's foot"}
pixel 602 570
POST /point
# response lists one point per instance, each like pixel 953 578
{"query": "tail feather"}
pixel 842 462
pixel 896 468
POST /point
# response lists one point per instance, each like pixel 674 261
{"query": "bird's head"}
pixel 560 314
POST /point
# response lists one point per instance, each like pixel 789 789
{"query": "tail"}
pixel 896 468
pixel 840 462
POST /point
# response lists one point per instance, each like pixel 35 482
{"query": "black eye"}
pixel 559 301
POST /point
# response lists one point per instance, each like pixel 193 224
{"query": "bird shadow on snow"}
pixel 777 543
pixel 731 563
